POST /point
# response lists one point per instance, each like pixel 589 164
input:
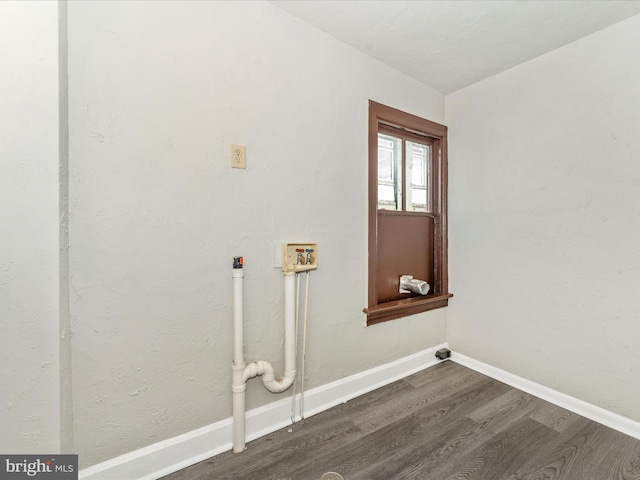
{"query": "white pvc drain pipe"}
pixel 241 371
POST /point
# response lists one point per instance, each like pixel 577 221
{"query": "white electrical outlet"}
pixel 238 156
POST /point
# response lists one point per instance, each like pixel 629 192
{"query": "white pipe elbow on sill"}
pixel 409 284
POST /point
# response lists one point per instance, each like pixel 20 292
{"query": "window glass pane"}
pixel 417 166
pixel 389 172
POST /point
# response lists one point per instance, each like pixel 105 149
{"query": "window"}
pixel 394 165
pixel 407 212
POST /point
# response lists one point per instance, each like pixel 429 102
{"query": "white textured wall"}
pixel 29 282
pixel 545 219
pixel 158 92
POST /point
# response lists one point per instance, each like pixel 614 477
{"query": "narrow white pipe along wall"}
pixel 241 371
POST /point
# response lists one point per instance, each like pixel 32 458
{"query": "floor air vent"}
pixel 331 476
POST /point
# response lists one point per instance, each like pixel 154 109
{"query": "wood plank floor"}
pixel 444 423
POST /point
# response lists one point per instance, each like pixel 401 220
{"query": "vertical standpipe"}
pixel 238 385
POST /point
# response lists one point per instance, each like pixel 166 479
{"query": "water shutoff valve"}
pixel 408 284
pixel 299 257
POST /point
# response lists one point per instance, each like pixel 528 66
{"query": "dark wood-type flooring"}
pixel 446 422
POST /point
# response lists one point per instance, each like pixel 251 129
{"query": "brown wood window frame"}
pixel 384 118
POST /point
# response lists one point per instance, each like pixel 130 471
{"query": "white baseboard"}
pixel 163 458
pixel 588 410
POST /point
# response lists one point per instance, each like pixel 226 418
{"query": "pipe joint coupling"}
pixel 239 388
pixel 238 366
pixel 250 371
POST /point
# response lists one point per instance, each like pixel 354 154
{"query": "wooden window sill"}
pixel 405 307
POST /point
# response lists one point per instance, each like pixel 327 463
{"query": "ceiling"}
pixel 449 44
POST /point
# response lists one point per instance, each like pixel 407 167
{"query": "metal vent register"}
pixel 331 476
